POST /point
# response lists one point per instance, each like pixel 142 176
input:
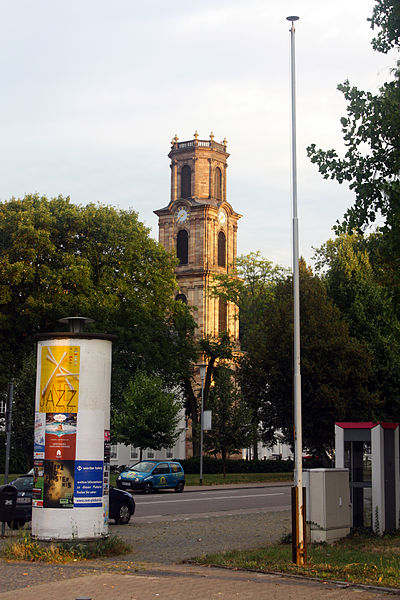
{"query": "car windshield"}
pixel 23 483
pixel 143 467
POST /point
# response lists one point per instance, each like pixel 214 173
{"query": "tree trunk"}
pixel 140 454
pixel 223 456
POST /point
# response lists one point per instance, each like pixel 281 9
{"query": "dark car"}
pixel 122 505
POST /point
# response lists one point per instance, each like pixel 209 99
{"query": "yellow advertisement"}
pixel 59 379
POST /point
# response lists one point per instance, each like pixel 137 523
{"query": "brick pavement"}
pixel 180 582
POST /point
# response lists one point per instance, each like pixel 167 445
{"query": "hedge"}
pixel 214 465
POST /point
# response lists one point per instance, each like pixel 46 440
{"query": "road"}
pixel 211 501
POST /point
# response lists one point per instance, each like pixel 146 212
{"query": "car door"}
pixel 161 476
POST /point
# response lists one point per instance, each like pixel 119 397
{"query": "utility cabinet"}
pixel 327 503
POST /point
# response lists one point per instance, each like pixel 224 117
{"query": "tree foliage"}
pixel 386 18
pixel 212 350
pixel 371 162
pixel 367 307
pixel 252 289
pixel 59 259
pixel 148 415
pixel 334 367
pixel 230 416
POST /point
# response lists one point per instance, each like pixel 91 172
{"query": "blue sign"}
pixel 88 489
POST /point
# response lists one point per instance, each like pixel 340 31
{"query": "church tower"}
pixel 200 227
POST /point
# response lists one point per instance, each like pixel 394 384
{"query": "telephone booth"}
pixel 371 453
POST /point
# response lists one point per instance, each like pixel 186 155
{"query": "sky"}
pixel 93 91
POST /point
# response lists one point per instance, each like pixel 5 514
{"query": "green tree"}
pixel 334 366
pixel 367 307
pixel 148 415
pixel 386 18
pixel 230 416
pixel 371 163
pixel 212 351
pixel 23 409
pixel 59 259
pixel 250 285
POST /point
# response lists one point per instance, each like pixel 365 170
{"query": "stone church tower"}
pixel 200 227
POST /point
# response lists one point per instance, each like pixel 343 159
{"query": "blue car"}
pixel 149 475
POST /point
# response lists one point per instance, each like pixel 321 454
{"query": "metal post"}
pixel 202 369
pixel 298 474
pixel 10 395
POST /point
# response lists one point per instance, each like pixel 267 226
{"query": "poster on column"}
pixel 58 484
pixel 59 379
pixel 60 436
pixel 38 483
pixel 39 432
pixel 88 489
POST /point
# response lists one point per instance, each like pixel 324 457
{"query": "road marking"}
pixel 202 498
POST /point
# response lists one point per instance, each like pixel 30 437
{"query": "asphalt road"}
pixel 211 501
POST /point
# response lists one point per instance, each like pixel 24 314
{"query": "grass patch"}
pixel 11 477
pixel 218 478
pixel 29 549
pixel 359 558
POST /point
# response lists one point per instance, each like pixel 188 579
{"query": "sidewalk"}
pixel 182 582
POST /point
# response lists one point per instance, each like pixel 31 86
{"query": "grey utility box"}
pixel 328 510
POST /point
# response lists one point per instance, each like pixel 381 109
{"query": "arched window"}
pixel 221 249
pixel 218 184
pixel 181 298
pixel 182 243
pixel 222 316
pixel 186 182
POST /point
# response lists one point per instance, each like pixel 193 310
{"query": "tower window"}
pixel 182 243
pixel 222 316
pixel 218 184
pixel 181 298
pixel 186 182
pixel 221 249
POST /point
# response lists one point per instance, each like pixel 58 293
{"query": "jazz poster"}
pixel 60 440
pixel 59 379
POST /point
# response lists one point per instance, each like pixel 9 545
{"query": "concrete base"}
pixel 328 535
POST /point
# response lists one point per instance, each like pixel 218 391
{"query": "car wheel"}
pixel 124 515
pixel 179 487
pixel 148 488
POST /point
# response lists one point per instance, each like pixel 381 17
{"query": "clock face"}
pixel 222 217
pixel 182 215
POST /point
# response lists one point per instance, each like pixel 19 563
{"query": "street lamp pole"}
pixel 202 369
pixel 297 514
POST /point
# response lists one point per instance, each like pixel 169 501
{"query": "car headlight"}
pixel 119 477
pixel 136 478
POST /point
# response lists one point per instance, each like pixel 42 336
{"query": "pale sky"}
pixel 93 92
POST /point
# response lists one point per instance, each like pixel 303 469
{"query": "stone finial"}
pixel 212 136
pixel 225 142
pixel 174 141
pixel 196 135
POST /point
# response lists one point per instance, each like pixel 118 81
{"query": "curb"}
pixel 343 584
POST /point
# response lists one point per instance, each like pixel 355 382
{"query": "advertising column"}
pixel 72 435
